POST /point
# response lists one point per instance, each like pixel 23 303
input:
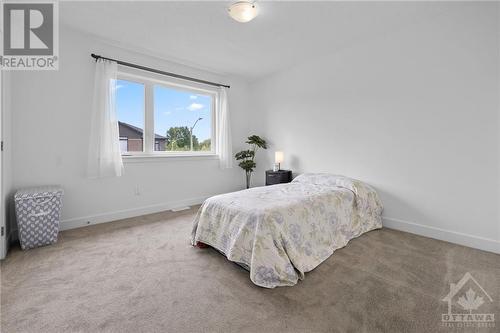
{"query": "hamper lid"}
pixel 39 192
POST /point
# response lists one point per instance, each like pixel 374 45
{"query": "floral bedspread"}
pixel 280 232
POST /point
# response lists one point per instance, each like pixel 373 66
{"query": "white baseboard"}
pixel 127 213
pixel 481 243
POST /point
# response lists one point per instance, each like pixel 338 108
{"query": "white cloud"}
pixel 118 86
pixel 193 97
pixel 167 112
pixel 195 107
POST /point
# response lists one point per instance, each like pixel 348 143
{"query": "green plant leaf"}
pixel 247 165
pixel 258 141
pixel 247 156
pixel 244 154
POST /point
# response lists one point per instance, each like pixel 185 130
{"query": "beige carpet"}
pixel 141 275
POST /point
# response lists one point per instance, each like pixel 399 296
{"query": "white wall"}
pixel 415 112
pixel 51 121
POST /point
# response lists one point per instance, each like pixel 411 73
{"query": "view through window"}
pixel 181 118
pixel 130 110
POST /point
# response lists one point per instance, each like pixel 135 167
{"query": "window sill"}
pixel 164 157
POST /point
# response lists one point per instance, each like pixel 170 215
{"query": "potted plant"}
pixel 247 157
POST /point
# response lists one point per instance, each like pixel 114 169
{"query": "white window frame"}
pixel 149 81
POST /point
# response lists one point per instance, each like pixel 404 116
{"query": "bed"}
pixel 280 232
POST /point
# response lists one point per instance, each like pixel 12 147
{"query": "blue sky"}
pixel 171 108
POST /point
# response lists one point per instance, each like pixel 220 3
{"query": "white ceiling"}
pixel 202 34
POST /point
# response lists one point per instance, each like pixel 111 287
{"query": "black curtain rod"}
pixel 178 76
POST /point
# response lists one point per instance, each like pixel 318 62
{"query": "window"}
pixel 162 118
pixel 123 145
pixel 183 120
pixel 130 110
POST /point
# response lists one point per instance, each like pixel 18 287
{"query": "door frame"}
pixel 3 208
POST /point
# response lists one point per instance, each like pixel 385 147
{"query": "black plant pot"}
pixel 249 175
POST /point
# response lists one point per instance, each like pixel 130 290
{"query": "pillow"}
pixel 365 196
pixel 327 179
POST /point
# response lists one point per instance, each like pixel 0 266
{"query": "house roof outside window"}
pixel 123 127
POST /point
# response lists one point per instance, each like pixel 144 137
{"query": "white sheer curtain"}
pixel 105 158
pixel 224 144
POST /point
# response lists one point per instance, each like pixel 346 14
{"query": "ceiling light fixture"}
pixel 243 11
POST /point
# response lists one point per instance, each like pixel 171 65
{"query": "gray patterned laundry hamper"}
pixel 38 212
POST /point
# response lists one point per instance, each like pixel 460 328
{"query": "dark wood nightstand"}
pixel 278 177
